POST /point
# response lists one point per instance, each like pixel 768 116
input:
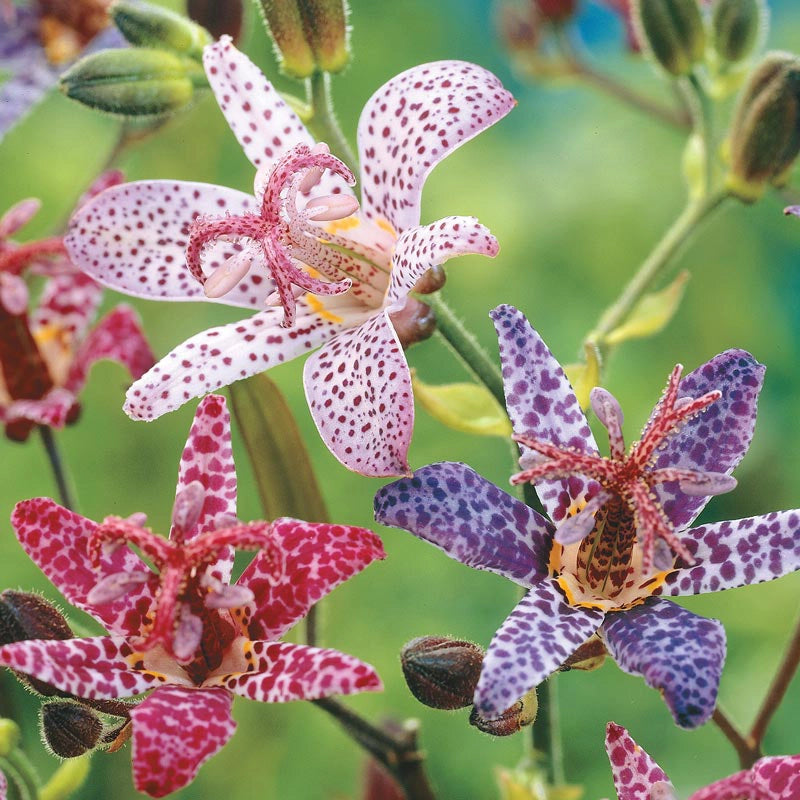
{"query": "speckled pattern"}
pixel 412 122
pixel 324 555
pixel 541 404
pixel 69 301
pixel 675 651
pixel 175 731
pixel 536 638
pixel 771 778
pixel 3 786
pixel 633 770
pixel 470 519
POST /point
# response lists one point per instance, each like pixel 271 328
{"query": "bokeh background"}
pixel 577 189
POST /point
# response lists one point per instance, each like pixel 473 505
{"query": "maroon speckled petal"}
pixel 52 410
pixel 633 770
pixel 68 303
pixel 770 778
pixel 3 787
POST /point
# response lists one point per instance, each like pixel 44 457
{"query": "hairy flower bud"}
pixel 309 35
pixel 513 719
pixel 70 729
pixel 735 28
pixel 672 31
pixel 414 322
pixel 134 82
pixel 146 25
pixel 10 735
pixel 765 134
pixel 441 672
pixel 218 17
pixel 431 281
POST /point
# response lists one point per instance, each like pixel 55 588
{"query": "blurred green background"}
pixel 577 189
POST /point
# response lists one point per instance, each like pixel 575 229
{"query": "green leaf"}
pixel 284 475
pixel 585 375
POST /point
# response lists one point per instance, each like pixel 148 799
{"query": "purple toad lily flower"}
pixel 619 535
pixel 638 777
pixel 298 238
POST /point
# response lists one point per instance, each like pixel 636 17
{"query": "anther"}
pixel 188 507
pixel 115 586
pixel 314 175
pixel 332 207
pixel 227 276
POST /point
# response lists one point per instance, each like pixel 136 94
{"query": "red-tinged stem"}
pixel 748 754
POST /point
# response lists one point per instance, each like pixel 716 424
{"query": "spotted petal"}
pixel 470 519
pixel 3 787
pixel 633 770
pixel 358 388
pixel 175 731
pixel 284 672
pixel 675 651
pixel 542 405
pixel 771 778
pixel 427 246
pixel 316 557
pixel 412 122
pixel 51 410
pixel 536 638
pixel 717 439
pixel 68 304
pixel 56 538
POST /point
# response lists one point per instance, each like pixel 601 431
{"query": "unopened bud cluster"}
pixel 672 32
pixel 735 27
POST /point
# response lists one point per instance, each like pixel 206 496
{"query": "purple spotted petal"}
pixel 633 769
pixel 3 787
pixel 738 552
pixel 536 638
pixel 412 122
pixel 541 404
pixel 675 651
pixel 470 519
pixel 715 440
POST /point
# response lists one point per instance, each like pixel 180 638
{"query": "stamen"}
pixel 314 175
pixel 695 483
pixel 188 635
pixel 18 215
pixel 223 595
pixel 332 207
pixel 227 276
pixel 115 586
pixel 580 525
pixel 608 411
pixel 187 509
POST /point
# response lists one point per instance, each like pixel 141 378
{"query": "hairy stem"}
pixel 63 482
pixel 323 123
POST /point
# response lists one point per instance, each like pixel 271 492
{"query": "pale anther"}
pixel 114 586
pixel 332 207
pixel 314 175
pixel 188 633
pixel 188 506
pixel 227 276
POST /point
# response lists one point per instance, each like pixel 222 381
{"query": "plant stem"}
pixel 398 753
pixel 702 123
pixel 466 347
pixel 21 772
pixel 63 482
pixel 323 123
pixel 748 754
pixel 547 732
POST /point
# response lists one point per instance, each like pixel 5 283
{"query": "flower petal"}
pixel 717 439
pixel 68 304
pixel 675 651
pixel 426 246
pixel 542 405
pixel 777 778
pixel 3 787
pixel 219 356
pixel 358 388
pixel 133 237
pixel 175 731
pixel 317 557
pixel 536 638
pixel 51 410
pixel 633 770
pixel 55 539
pixel 98 668
pixel 472 520
pixel 284 672
pixel 412 122
pixel 738 553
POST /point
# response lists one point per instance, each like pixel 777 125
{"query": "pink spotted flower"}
pixel 638 777
pixel 184 632
pixel 338 274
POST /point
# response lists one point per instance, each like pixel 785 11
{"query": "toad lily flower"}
pixel 45 357
pixel 184 631
pixel 619 535
pixel 302 236
pixel 638 777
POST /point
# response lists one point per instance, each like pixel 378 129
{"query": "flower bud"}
pixel 588 657
pixel 218 17
pixel 10 735
pixel 146 25
pixel 672 31
pixel 765 134
pixel 134 82
pixel 556 10
pixel 309 35
pixel 431 281
pixel 513 719
pixel 70 729
pixel 414 322
pixel 441 672
pixel 735 28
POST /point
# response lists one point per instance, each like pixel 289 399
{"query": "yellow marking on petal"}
pixel 317 306
pixel 339 225
pixel 385 225
pixel 137 661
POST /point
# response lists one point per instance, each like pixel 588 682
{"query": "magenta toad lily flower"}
pixel 301 243
pixel 638 777
pixel 619 535
pixel 185 631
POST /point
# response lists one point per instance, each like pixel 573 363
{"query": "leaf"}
pixel 584 376
pixel 466 407
pixel 284 475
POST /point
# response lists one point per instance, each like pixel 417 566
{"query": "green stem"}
pixel 702 123
pixel 20 771
pixel 547 732
pixel 466 347
pixel 65 493
pixel 323 123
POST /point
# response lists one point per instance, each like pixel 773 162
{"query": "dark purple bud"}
pixel 513 719
pixel 414 322
pixel 218 17
pixel 70 729
pixel 441 672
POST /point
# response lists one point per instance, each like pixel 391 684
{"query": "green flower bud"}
pixel 765 134
pixel 145 25
pixel 70 729
pixel 134 83
pixel 513 719
pixel 588 657
pixel 736 26
pixel 9 737
pixel 309 35
pixel 672 32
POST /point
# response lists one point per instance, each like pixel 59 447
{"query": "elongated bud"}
pixel 431 281
pixel 146 25
pixel 441 672
pixel 672 32
pixel 10 735
pixel 309 35
pixel 70 729
pixel 736 26
pixel 134 82
pixel 218 17
pixel 513 719
pixel 414 322
pixel 765 134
